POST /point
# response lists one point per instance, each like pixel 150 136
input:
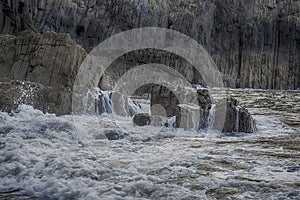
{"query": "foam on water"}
pixel 137 107
pixel 46 156
pixel 211 117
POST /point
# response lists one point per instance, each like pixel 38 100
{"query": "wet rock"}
pixel 166 99
pixel 120 104
pixel 169 101
pixel 47 63
pixel 2 145
pixel 248 40
pixel 205 103
pixel 237 119
pixel 187 116
pixel 114 134
pixel 158 121
pixel 142 119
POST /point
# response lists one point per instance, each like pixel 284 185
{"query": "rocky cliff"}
pixel 45 65
pixel 254 43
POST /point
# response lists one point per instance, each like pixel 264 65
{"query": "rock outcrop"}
pixel 237 119
pixel 227 115
pixel 255 43
pixel 168 101
pixel 114 134
pixel 142 119
pixel 48 63
pixel 188 116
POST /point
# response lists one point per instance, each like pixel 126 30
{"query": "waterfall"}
pixel 237 119
pixel 171 122
pixel 97 96
pixel 85 101
pixel 137 107
pixel 198 86
pixel 106 102
pixel 211 116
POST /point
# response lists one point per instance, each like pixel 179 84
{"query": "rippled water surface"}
pixel 43 156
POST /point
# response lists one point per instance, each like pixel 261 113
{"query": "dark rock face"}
pixel 166 98
pixel 142 119
pixel 237 119
pixel 114 134
pixel 48 63
pixel 254 43
pixel 47 99
pixel 205 102
pixel 14 93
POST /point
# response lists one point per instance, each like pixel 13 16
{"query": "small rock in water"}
pixel 142 119
pixel 114 134
pixel 2 145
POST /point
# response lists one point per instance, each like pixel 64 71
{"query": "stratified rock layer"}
pixel 49 60
pixel 254 43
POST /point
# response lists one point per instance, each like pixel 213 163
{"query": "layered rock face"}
pixel 254 43
pixel 46 61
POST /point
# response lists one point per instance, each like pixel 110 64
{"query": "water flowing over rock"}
pixel 49 60
pixel 205 114
pixel 255 44
pixel 168 100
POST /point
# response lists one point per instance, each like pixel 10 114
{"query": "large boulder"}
pixel 114 134
pixel 237 119
pixel 205 102
pixel 142 119
pixel 164 97
pixel 47 99
pixel 168 100
pixel 47 63
pixel 188 116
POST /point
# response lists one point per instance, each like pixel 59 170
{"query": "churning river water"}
pixel 68 157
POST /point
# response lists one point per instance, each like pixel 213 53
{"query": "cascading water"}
pixel 211 117
pixel 237 119
pixel 99 97
pixel 106 102
pixel 137 107
pixel 198 86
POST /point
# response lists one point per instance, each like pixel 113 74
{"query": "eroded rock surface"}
pixel 48 61
pixel 254 43
pixel 237 119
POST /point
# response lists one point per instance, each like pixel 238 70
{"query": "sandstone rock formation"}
pixel 254 43
pixel 49 61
